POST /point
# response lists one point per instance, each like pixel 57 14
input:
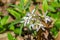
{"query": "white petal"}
pixel 28 14
pixel 33 11
pixel 21 21
pixel 43 29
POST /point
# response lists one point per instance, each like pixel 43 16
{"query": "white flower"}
pixel 21 21
pixel 32 25
pixel 47 19
pixel 43 28
pixel 34 15
pixel 30 17
pixel 33 11
pixel 25 22
pixel 45 14
pixel 28 21
pixel 25 18
pixel 40 26
pixel 33 19
pixel 28 14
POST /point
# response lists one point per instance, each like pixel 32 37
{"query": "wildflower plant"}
pixel 49 18
pixel 31 19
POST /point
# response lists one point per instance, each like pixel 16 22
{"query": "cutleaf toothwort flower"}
pixel 33 20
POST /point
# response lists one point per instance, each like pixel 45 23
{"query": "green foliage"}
pixel 4 20
pixel 45 5
pixel 52 15
pixel 51 8
pixel 12 27
pixel 55 4
pixel 57 24
pixel 10 37
pixel 2 30
pixel 14 13
pixel 21 26
pixel 16 31
pixel 54 32
pixel 56 28
pixel 21 5
pixel 18 12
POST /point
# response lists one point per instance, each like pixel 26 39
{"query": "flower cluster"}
pixel 34 20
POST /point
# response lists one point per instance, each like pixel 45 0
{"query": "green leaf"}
pixel 53 15
pixel 21 5
pixel 11 27
pixel 58 13
pixel 14 13
pixel 1 26
pixel 10 37
pixel 35 33
pixel 55 4
pixel 40 11
pixel 56 27
pixel 57 24
pixel 15 21
pixel 51 8
pixel 21 26
pixel 4 20
pixel 16 31
pixel 54 32
pixel 2 30
pixel 28 4
pixel 26 1
pixel 56 1
pixel 45 5
pixel 16 7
